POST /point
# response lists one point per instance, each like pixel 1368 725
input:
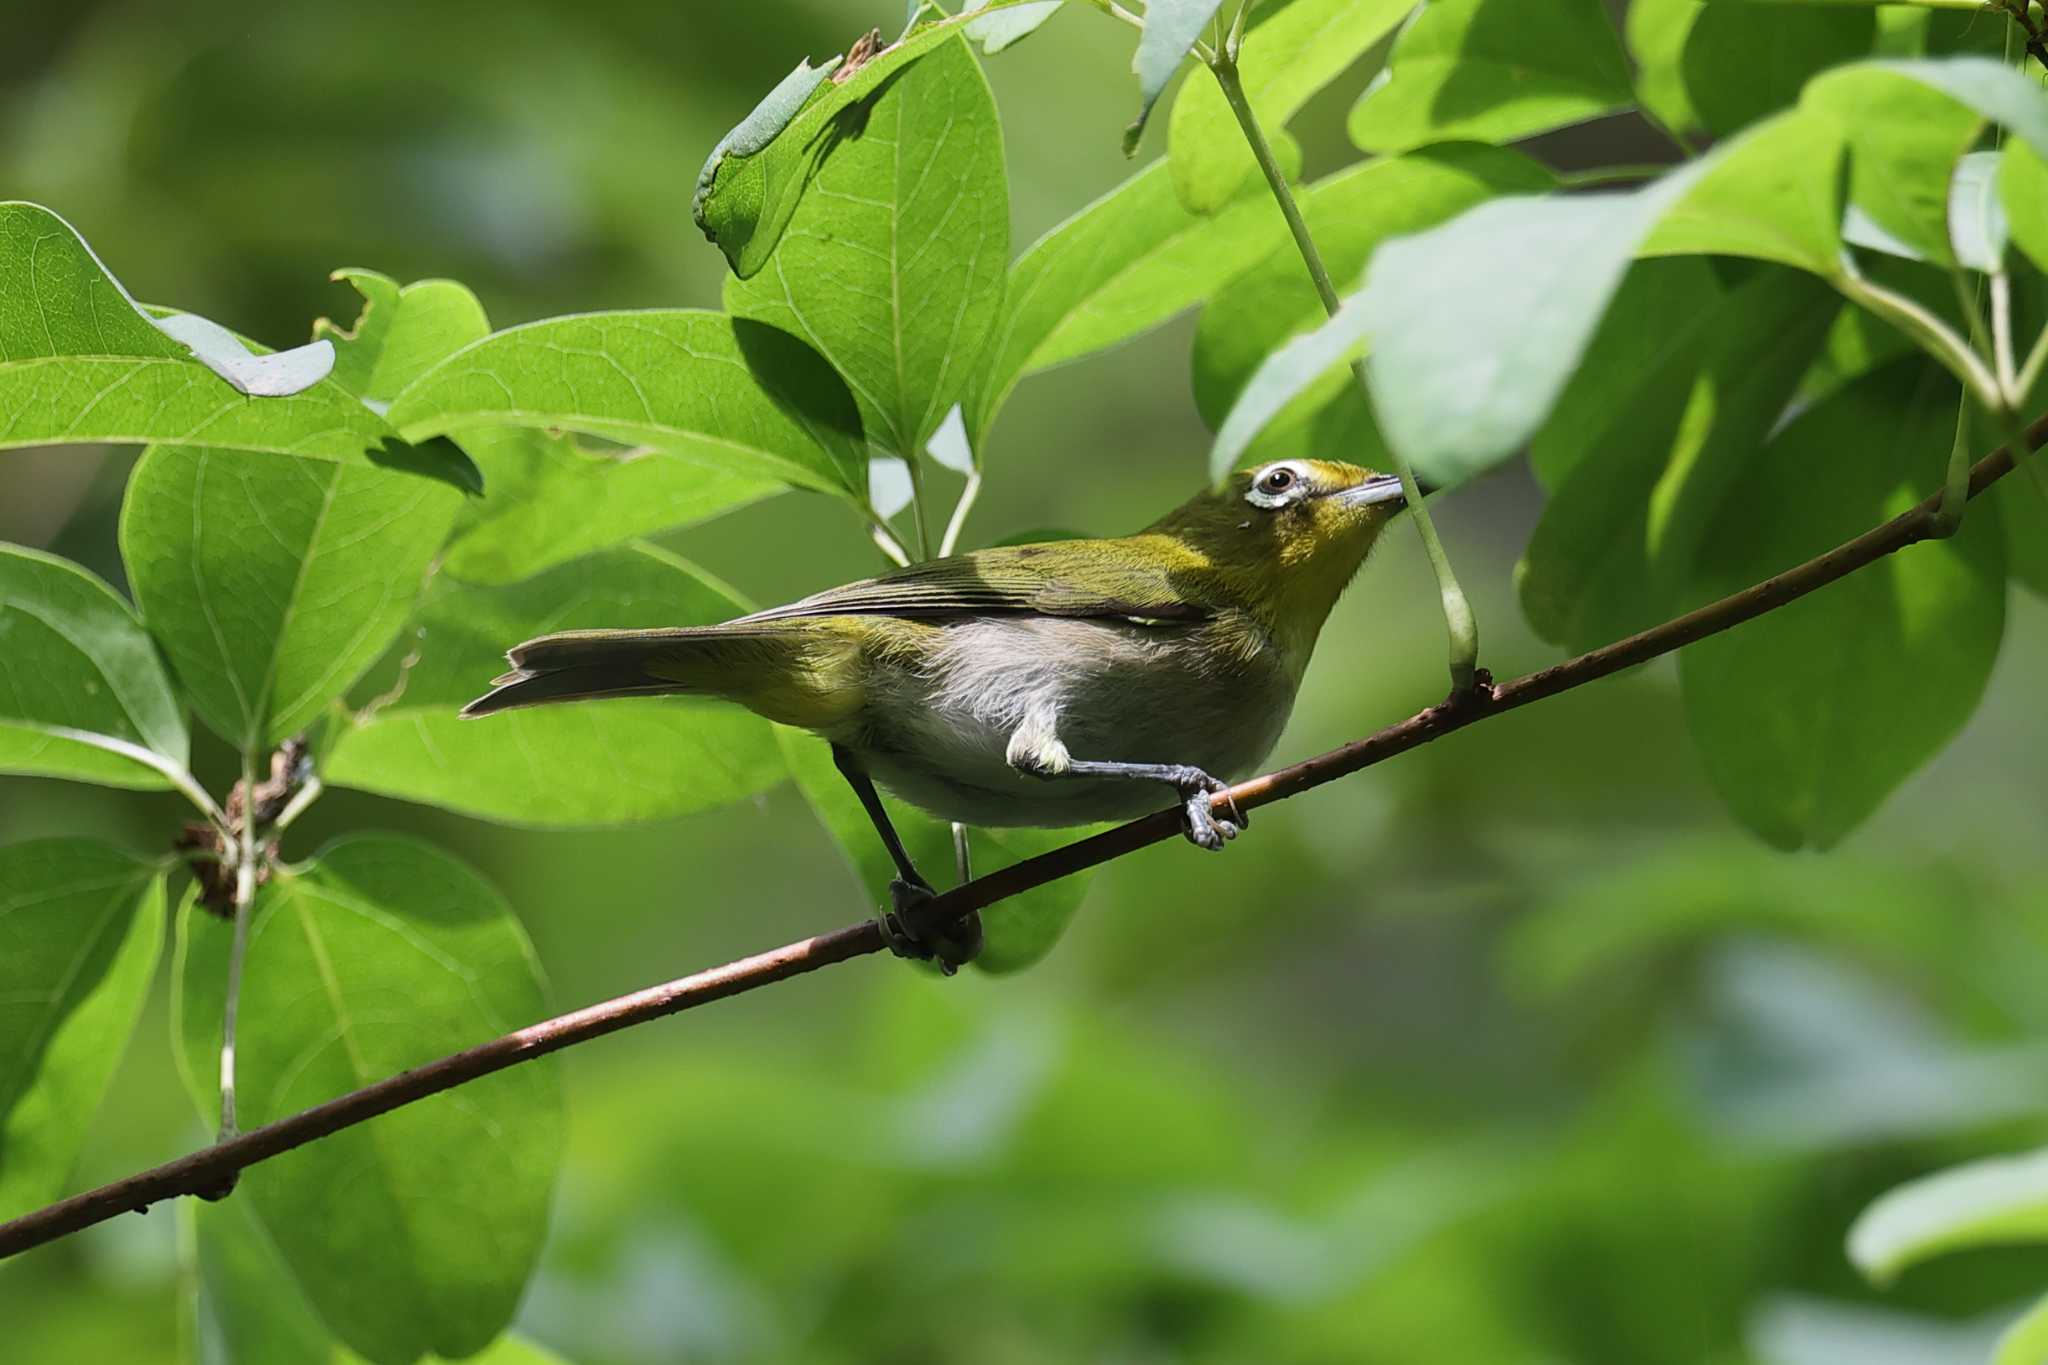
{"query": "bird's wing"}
pixel 1014 580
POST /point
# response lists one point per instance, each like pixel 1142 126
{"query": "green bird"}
pixel 1050 684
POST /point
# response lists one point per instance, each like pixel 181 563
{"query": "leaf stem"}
pixel 1458 620
pixel 884 538
pixel 245 898
pixel 957 523
pixel 1118 12
pixel 924 539
pixel 2001 339
pixel 1936 337
pixel 308 792
pixel 1611 175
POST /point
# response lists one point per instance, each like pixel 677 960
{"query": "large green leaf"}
pixel 1124 264
pixel 82 692
pixel 1995 1202
pixel 1477 324
pixel 549 499
pixel 758 173
pixel 1807 718
pixel 1016 933
pixel 892 267
pixel 1350 214
pixel 1286 59
pixel 731 396
pixel 79 361
pixel 588 763
pixel 272 583
pixel 401 333
pixel 1615 548
pixel 2023 186
pixel 1744 61
pixel 1657 31
pixel 1771 193
pixel 80 926
pixel 416 1231
pixel 1904 139
pixel 2022 505
pixel 1493 71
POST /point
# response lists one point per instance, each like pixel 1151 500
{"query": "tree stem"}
pixel 245 898
pixel 1459 624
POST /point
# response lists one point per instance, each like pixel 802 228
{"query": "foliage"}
pixel 1801 325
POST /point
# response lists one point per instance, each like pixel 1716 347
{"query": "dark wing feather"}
pixel 1013 580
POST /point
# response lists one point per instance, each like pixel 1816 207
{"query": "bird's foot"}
pixel 913 932
pixel 1206 828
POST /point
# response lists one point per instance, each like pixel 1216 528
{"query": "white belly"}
pixel 939 737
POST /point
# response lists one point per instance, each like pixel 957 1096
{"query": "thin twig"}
pixel 957 523
pixel 211 1168
pixel 245 901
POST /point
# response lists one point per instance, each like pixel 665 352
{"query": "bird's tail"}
pixel 782 670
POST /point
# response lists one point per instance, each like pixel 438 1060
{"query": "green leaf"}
pixel 550 499
pixel 892 267
pixel 1478 324
pixel 1770 193
pixel 82 924
pixel 1904 139
pixel 1016 933
pixel 79 361
pixel 400 333
pixel 1171 30
pixel 727 395
pixel 1743 62
pixel 416 1231
pixel 1004 28
pixel 2023 187
pixel 1349 214
pixel 1493 71
pixel 588 763
pixel 82 692
pixel 249 1307
pixel 1286 59
pixel 1122 265
pixel 1977 229
pixel 1615 548
pixel 2026 1341
pixel 1807 718
pixel 755 177
pixel 1657 31
pixel 2022 505
pixel 1996 1202
pixel 271 583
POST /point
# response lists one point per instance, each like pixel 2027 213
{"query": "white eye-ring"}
pixel 1276 486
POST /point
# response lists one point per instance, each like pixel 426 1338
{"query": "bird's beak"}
pixel 1380 489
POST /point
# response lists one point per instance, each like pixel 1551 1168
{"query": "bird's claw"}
pixel 912 932
pixel 1200 803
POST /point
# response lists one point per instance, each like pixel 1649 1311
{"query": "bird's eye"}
pixel 1277 480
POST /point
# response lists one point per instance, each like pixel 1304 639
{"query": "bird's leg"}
pixel 1035 751
pixel 910 932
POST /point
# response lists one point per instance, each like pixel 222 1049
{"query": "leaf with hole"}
pixel 1808 718
pixel 83 924
pixel 1287 58
pixel 893 265
pixel 82 692
pixel 1493 71
pixel 273 583
pixel 400 333
pixel 583 763
pixel 416 1231
pixel 725 394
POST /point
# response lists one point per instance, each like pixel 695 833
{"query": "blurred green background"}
pixel 1511 1050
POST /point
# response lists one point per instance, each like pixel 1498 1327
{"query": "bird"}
pixel 1050 684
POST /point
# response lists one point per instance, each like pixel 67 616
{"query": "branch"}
pixel 213 1168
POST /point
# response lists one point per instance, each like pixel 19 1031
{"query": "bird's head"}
pixel 1290 535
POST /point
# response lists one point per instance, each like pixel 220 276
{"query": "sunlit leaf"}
pixel 729 395
pixel 2026 1341
pixel 1771 193
pixel 755 177
pixel 1995 1202
pixel 1286 59
pixel 79 361
pixel 1808 718
pixel 82 924
pixel 1614 551
pixel 272 582
pixel 401 333
pixel 1171 29
pixel 1005 27
pixel 1904 139
pixel 416 1231
pixel 892 266
pixel 1122 265
pixel 584 763
pixel 82 693
pixel 1493 71
pixel 1657 31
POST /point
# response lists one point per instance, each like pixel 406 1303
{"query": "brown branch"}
pixel 213 1169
